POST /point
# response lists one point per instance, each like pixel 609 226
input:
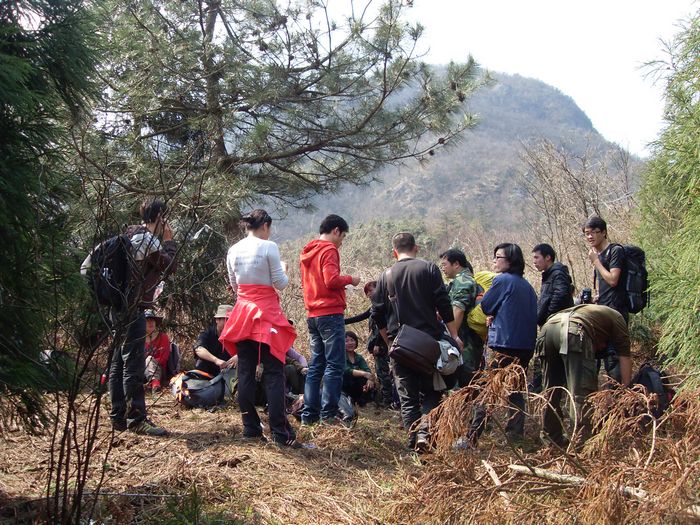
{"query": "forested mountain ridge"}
pixel 475 175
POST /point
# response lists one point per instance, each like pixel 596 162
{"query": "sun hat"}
pixel 223 311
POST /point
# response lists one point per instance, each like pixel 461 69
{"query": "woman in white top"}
pixel 258 330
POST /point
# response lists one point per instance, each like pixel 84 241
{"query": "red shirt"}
pixel 324 286
pixel 159 349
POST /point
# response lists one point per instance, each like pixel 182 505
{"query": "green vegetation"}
pixel 670 205
pixel 47 56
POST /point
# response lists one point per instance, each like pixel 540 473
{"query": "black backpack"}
pixel 197 389
pixel 654 384
pixel 636 278
pixel 110 271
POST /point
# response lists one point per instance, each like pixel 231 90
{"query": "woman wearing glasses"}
pixel 511 304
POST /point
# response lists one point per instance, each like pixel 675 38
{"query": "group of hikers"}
pixel 409 302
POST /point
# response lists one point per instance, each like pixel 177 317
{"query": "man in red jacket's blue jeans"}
pixel 324 299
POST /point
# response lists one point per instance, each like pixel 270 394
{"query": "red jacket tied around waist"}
pixel 258 316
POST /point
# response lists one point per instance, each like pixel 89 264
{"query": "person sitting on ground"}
pixel 157 351
pixel 358 381
pixel 210 353
pixel 376 346
pixel 295 368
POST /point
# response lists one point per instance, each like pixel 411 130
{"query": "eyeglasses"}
pixel 499 257
pixel 591 232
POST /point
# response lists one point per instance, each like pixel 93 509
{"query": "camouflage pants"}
pixel 386 380
pixel 575 371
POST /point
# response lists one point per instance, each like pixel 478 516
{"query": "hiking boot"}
pixel 260 438
pixel 155 385
pixel 464 443
pixel 147 428
pixel 119 425
pixel 561 442
pixel 422 445
pixel 338 421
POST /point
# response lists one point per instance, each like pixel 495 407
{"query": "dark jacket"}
pixel 154 261
pixel 513 303
pixel 209 339
pixel 375 338
pixel 420 293
pixel 555 294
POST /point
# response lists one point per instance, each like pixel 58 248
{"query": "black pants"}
pixel 294 379
pixel 126 374
pixel 516 410
pixel 354 387
pixel 250 353
pixel 417 398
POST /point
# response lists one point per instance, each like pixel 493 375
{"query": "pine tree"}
pixel 45 70
pixel 219 104
pixel 671 205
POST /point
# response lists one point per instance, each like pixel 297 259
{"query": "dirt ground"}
pixel 205 472
pixel 345 479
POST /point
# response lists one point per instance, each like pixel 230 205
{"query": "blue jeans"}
pixel 327 338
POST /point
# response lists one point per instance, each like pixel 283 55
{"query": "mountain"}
pixel 475 174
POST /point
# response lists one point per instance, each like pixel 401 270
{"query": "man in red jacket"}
pixel 324 299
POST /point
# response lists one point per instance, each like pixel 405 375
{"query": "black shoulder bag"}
pixel 411 347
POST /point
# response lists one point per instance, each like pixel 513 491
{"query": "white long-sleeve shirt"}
pixel 255 261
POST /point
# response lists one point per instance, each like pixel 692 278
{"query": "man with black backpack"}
pixel 609 262
pixel 151 257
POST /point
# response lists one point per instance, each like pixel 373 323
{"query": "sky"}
pixel 591 50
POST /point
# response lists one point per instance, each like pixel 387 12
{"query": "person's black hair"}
pixel 151 209
pixel 545 250
pixel 256 219
pixel 453 255
pixel 403 242
pixel 332 222
pixel 514 256
pixel 595 223
pixel 353 335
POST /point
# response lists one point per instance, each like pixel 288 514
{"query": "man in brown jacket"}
pixel 568 344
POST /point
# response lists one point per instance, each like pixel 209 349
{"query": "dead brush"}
pixel 684 417
pixel 490 388
pixel 618 417
pixel 635 468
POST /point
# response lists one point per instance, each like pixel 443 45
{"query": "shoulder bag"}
pixel 411 347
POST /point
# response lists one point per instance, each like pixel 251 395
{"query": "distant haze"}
pixel 477 175
pixel 592 51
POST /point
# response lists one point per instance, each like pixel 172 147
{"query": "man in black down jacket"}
pixel 557 288
pixel 555 295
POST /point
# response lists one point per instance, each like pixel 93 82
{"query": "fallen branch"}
pixel 497 482
pixel 630 492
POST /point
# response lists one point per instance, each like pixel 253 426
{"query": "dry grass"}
pixel 364 475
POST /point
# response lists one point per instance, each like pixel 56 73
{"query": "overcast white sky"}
pixel 590 50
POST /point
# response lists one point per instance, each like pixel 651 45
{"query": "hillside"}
pixel 476 174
